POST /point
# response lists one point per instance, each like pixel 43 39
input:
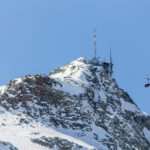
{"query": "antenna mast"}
pixel 110 56
pixel 111 64
pixel 95 50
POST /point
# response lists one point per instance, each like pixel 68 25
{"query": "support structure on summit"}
pixel 108 66
pixel 95 50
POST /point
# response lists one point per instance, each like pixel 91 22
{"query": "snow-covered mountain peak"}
pixel 82 59
pixel 79 72
pixel 73 70
pixel 79 106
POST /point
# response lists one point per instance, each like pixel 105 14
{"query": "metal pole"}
pixel 95 43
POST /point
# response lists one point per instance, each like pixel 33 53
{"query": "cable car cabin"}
pixel 147 85
pixel 148 81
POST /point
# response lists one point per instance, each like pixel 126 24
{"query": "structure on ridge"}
pixel 111 64
pixel 108 66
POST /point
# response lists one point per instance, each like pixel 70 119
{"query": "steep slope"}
pixel 78 106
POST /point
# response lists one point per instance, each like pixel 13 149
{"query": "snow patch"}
pixel 128 106
pixel 147 134
pixel 20 135
pixel 69 88
pixel 18 80
pixel 2 89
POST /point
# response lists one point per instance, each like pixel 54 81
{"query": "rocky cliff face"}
pixel 78 106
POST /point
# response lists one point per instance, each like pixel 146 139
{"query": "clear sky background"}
pixel 37 36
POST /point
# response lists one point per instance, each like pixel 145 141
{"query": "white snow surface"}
pixel 18 80
pixel 2 89
pixel 69 88
pixel 128 106
pixel 73 70
pixel 147 133
pixel 20 135
pixel 73 76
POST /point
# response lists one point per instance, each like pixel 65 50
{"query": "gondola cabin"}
pixel 147 85
pixel 148 82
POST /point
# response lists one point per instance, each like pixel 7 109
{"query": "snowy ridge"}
pixel 77 107
pixel 72 76
pixel 76 76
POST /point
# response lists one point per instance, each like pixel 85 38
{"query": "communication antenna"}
pixel 111 64
pixel 110 56
pixel 95 50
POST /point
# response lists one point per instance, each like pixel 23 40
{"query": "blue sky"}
pixel 37 36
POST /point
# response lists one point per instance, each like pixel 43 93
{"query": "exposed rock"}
pixel 80 100
pixel 59 143
pixel 7 146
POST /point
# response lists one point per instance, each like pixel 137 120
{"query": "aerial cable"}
pixel 132 73
pixel 139 76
